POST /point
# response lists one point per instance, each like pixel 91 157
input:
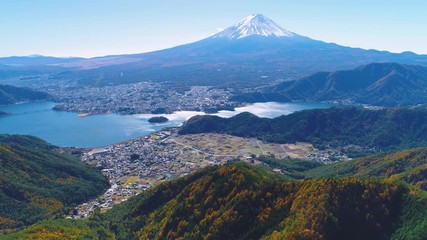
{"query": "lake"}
pixel 68 129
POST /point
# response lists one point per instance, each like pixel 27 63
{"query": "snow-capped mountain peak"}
pixel 256 24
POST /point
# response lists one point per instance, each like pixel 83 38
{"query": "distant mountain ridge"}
pixel 36 60
pixel 252 52
pixel 384 84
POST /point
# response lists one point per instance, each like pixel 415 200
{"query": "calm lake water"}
pixel 67 129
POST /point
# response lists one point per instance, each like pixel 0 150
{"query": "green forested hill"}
pixel 37 183
pixel 380 84
pixel 380 129
pixel 408 165
pixel 244 202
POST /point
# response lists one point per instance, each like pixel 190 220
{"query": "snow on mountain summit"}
pixel 254 25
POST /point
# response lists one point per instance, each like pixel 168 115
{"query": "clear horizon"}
pixel 106 27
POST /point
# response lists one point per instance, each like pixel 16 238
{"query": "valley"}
pixel 251 132
pixel 139 164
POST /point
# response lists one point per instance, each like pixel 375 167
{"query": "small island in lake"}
pixel 160 119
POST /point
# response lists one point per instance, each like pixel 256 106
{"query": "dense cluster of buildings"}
pixel 137 165
pixel 327 156
pixel 142 97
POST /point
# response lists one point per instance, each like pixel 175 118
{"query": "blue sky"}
pixel 90 28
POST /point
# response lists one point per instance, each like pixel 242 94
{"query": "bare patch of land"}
pixel 222 145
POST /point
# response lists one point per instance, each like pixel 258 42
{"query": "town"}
pixel 136 165
pixel 135 98
pixel 143 97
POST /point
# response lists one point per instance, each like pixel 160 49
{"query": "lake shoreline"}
pixel 68 129
pixel 58 107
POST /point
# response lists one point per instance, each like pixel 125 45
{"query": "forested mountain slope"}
pixel 11 94
pixel 383 84
pixel 380 129
pixel 37 183
pixel 245 202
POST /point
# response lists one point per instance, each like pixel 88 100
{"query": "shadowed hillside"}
pixel 10 95
pixel 379 129
pixel 37 183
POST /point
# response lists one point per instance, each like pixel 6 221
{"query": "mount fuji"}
pixel 253 52
pixel 254 25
